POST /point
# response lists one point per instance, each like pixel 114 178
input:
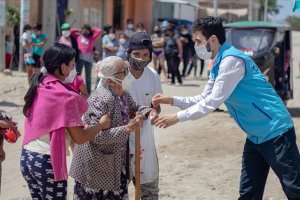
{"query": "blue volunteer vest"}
pixel 254 104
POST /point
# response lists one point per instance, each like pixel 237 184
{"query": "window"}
pixel 251 40
pixel 117 15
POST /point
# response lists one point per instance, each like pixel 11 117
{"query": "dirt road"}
pixel 198 160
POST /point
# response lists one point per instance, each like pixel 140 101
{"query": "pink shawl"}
pixel 55 107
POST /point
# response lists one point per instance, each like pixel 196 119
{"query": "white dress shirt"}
pixel 231 71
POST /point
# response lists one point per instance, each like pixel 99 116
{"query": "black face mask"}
pixel 138 64
pixel 86 34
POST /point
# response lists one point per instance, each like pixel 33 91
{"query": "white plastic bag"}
pixel 149 161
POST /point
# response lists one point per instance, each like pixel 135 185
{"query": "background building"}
pixel 231 10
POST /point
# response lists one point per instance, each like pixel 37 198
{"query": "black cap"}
pixel 140 40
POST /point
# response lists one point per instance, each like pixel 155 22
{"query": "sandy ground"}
pixel 198 160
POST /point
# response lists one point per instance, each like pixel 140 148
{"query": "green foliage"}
pixel 12 16
pixel 294 22
pixel 273 8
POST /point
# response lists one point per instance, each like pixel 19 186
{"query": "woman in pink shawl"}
pixel 52 107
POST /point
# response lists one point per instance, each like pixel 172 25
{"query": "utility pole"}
pixel 215 3
pixel 2 34
pixel 250 10
pixel 50 20
pixel 24 18
pixel 266 10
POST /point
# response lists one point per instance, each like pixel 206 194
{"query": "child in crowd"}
pixel 28 50
pixel 8 51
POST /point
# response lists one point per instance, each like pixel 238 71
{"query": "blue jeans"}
pixel 282 155
pixel 38 173
pixel 88 72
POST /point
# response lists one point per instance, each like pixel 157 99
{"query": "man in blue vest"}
pixel 252 102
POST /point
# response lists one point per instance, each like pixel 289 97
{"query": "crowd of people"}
pixel 172 45
pixel 100 126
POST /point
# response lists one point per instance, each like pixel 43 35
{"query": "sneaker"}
pixel 7 72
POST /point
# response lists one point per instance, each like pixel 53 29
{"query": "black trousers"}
pixel 282 155
pixel 185 60
pixel 173 65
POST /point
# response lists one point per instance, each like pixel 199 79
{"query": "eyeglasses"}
pixel 125 72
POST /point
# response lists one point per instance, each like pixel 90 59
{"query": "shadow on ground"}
pixel 295 112
pixel 9 104
pixel 189 85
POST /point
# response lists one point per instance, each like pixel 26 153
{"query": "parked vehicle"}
pixel 270 46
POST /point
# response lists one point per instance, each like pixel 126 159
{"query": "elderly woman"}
pixel 100 167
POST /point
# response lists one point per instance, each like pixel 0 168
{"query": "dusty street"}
pixel 198 160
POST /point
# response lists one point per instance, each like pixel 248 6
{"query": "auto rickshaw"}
pixel 270 46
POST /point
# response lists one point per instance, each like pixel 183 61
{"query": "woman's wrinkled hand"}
pixel 134 124
pixel 105 122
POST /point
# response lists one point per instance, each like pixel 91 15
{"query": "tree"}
pixel 12 16
pixel 273 8
pixel 294 22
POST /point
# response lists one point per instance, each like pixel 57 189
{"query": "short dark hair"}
pixel 140 25
pixel 87 26
pixel 6 37
pixel 38 26
pixel 107 28
pixel 170 28
pixel 129 21
pixel 27 27
pixel 210 26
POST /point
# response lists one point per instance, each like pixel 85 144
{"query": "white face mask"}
pixel 202 52
pixel 111 36
pixel 130 26
pixel 71 76
pixel 122 41
pixel 125 83
pixel 184 32
pixel 66 33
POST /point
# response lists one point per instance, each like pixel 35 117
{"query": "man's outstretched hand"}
pixel 161 99
pixel 166 121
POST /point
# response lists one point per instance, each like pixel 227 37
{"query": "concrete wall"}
pixel 143 13
pixel 138 10
pixel 35 12
pixel 182 11
pixel 49 21
pixel 86 12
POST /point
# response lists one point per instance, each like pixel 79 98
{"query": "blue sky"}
pixel 285 11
